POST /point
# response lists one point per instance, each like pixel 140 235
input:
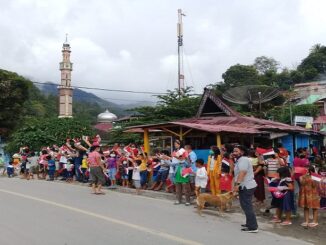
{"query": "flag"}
pixel 316 177
pixel 265 152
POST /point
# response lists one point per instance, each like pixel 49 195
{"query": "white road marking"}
pixel 106 218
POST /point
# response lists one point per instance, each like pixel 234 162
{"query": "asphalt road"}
pixel 39 212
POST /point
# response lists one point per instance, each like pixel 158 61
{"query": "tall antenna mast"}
pixel 180 53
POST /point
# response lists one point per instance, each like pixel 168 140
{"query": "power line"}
pixel 106 89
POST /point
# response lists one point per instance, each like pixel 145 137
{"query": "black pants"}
pixel 245 196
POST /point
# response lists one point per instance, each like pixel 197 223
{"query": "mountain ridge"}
pixel 80 95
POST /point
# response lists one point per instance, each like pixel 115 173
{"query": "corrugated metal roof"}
pixel 216 128
pixel 240 124
pixel 105 127
pixel 320 120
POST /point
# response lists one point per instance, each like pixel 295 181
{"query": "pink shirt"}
pixel 92 159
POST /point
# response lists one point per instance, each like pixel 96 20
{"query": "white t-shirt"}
pixel 63 159
pixel 201 177
pixel 33 160
pixel 136 173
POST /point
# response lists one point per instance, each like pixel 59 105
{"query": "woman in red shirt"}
pixel 96 170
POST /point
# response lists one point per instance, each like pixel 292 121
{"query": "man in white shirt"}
pixel 246 185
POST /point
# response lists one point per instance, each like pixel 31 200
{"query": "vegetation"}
pixel 169 107
pixel 14 92
pixel 37 132
pixel 314 65
pixel 283 114
pixel 268 71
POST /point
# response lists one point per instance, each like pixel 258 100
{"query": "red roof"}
pixel 320 120
pixel 140 130
pixel 105 127
pixel 239 124
pixel 230 124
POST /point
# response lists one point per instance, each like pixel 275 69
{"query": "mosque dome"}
pixel 106 117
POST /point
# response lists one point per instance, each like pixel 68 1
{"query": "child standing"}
pixel 156 165
pixel 201 177
pixel 283 198
pixel 27 169
pixel 70 170
pixel 112 167
pixel 136 175
pixel 84 167
pixel 309 198
pixel 10 170
pixel 123 170
pixel 51 167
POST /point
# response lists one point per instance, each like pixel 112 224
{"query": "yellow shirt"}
pixel 143 165
pixel 84 163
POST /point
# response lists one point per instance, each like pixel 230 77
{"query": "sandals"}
pixel 284 223
pixel 275 220
pixel 311 225
pixel 304 224
pixel 100 193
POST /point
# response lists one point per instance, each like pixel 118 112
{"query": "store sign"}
pixel 303 120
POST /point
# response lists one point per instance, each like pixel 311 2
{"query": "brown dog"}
pixel 222 201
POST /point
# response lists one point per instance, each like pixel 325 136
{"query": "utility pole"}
pixel 180 53
pixel 259 96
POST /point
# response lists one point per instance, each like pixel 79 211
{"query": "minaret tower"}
pixel 65 89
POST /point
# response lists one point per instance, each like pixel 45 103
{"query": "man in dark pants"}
pixel 246 185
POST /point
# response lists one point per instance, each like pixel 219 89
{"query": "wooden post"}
pixel 181 134
pixel 218 140
pixel 146 141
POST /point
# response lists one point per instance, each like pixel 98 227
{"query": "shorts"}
pixel 97 175
pixel 124 176
pixel 162 175
pixel 155 176
pixel 137 184
pixel 112 173
pixel 33 169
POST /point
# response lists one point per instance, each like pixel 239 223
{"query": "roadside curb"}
pixel 146 193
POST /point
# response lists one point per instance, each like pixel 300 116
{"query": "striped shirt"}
pixel 272 166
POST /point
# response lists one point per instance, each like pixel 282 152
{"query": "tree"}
pixel 314 64
pixel 171 107
pixel 14 91
pixel 265 64
pixel 282 114
pixel 239 75
pixel 36 133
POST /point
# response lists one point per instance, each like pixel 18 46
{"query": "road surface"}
pixel 39 212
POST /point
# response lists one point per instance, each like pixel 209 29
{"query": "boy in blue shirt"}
pixel 51 166
pixel 10 170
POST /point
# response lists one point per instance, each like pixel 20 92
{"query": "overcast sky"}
pixel 132 44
